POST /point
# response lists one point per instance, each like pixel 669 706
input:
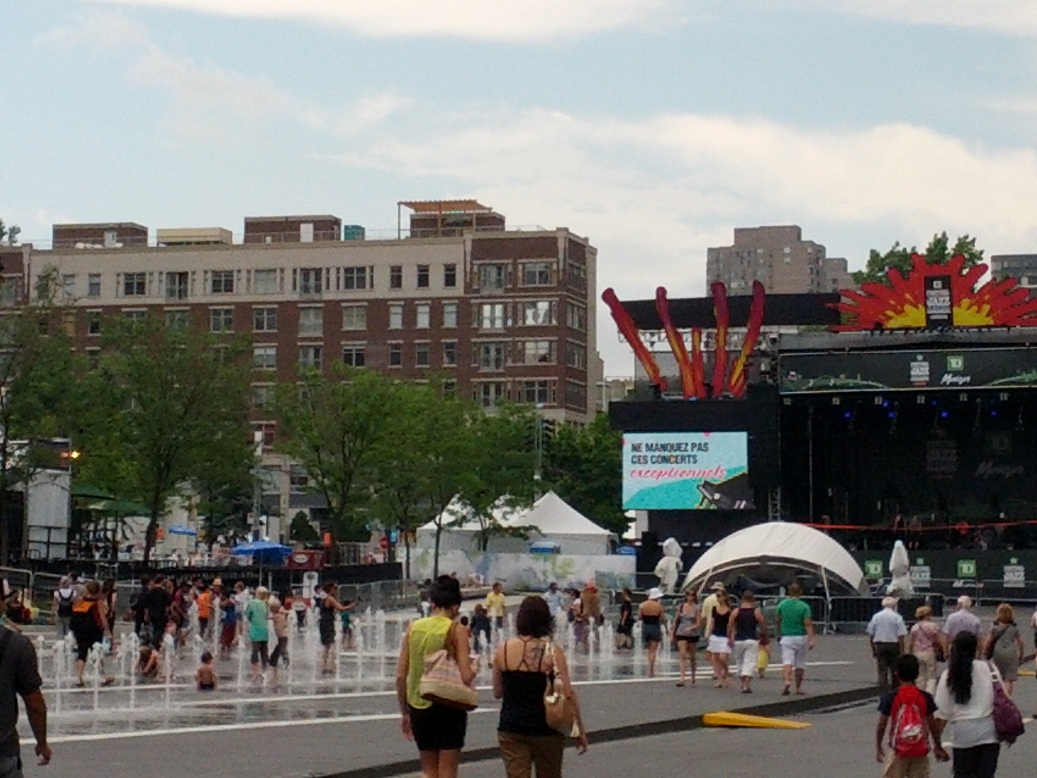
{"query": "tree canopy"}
pixel 938 252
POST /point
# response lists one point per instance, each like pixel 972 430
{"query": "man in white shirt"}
pixel 962 620
pixel 886 633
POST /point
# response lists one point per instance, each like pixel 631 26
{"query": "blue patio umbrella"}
pixel 265 552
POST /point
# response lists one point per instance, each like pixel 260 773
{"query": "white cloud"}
pixel 502 20
pixel 1009 17
pixel 654 194
pixel 209 101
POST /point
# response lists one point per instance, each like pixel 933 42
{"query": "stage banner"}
pixel 686 470
pixel 857 371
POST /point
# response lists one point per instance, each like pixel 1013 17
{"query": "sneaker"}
pixel 785 692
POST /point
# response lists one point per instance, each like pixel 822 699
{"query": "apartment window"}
pixel 421 354
pixel 93 323
pixel 538 313
pixel 449 353
pixel 265 282
pixel 178 320
pixel 264 319
pixel 536 273
pixel 576 317
pixel 449 388
pixel 221 320
pixel 576 395
pixel 353 355
pixel 222 282
pixel 264 357
pixel 423 272
pixel 449 276
pixel 491 356
pixel 134 284
pixel 492 316
pixel 262 394
pixel 577 275
pixel 310 357
pixel 576 355
pixel 450 315
pixel 93 358
pixel 311 321
pixel 311 281
pixel 538 352
pixel 490 393
pixel 538 392
pixel 267 433
pixel 93 285
pixel 68 284
pixel 423 316
pixel 354 278
pixel 395 316
pixel 395 354
pixel 354 317
pixel 176 286
pixel 492 277
pixel 396 277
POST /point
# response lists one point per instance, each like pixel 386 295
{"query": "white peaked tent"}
pixel 551 516
pixel 558 521
pixel 781 549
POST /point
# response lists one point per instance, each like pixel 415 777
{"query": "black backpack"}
pixel 65 604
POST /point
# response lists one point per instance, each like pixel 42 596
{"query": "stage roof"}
pixel 780 310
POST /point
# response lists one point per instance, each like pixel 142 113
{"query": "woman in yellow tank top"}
pixel 439 731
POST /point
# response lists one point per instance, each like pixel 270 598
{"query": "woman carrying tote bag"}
pixel 439 730
pixel 523 667
pixel 965 700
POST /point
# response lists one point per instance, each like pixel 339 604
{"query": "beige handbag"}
pixel 559 708
pixel 441 680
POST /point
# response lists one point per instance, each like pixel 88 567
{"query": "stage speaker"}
pixel 649 554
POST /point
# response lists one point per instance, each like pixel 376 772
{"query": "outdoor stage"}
pixel 902 410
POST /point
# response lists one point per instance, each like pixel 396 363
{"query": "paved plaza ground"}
pixel 350 729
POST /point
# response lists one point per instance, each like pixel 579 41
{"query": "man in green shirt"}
pixel 796 629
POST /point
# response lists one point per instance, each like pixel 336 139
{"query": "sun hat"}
pixel 718 586
pixel 923 611
pixel 889 602
pixel 655 593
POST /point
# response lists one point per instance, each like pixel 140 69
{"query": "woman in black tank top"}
pixel 522 667
pixel 747 630
pixel 719 645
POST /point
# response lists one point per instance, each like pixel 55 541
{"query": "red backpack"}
pixel 909 735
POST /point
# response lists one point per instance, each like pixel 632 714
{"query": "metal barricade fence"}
pixel 43 587
pixel 382 595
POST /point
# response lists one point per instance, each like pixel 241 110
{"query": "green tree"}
pixel 332 424
pixel 503 470
pixel 938 252
pixel 422 462
pixel 584 467
pixel 37 398
pixel 11 233
pixel 301 530
pixel 169 411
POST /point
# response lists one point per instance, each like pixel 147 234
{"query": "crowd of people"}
pixel 166 613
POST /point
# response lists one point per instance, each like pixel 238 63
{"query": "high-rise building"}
pixel 779 258
pixel 498 315
pixel 1022 267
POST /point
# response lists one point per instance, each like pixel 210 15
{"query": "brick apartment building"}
pixel 498 314
pixel 780 259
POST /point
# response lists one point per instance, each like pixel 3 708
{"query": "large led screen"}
pixel 686 470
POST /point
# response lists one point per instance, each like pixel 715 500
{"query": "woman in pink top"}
pixel 924 641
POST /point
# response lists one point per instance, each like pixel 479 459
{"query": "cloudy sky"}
pixel 652 126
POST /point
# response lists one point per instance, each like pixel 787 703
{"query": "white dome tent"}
pixel 781 548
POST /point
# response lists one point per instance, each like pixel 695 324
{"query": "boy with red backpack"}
pixel 907 712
